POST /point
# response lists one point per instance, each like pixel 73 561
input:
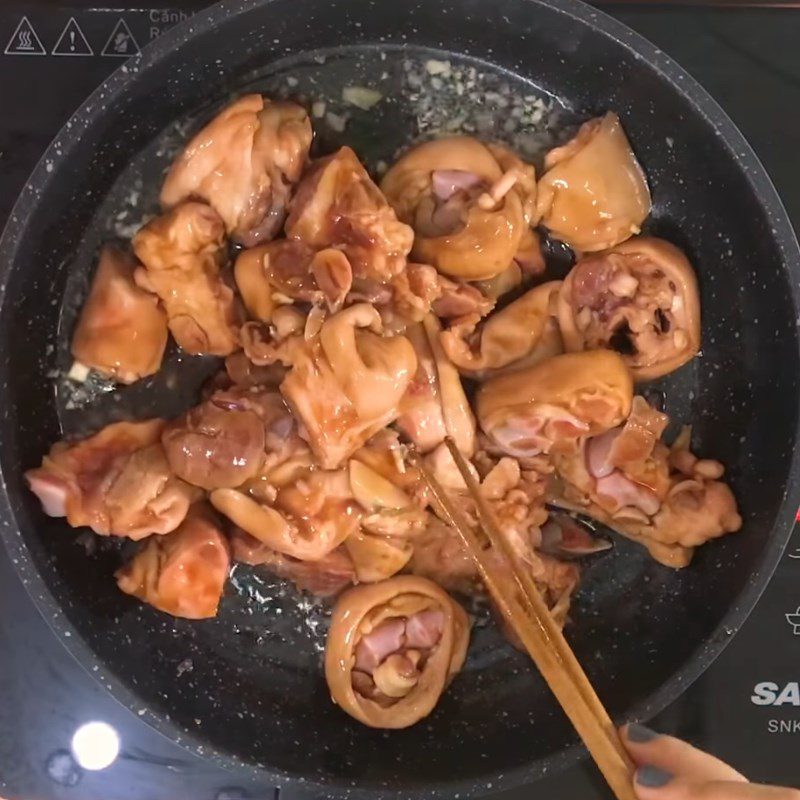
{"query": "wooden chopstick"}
pixel 525 581
pixel 528 615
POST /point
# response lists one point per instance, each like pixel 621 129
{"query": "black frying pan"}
pixel 246 689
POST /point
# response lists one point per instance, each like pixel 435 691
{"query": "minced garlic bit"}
pixel 335 122
pixel 78 372
pixel 361 97
pixel 318 109
pixel 448 98
pixel 488 200
pixel 435 67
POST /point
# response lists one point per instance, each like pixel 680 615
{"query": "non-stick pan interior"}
pixel 248 685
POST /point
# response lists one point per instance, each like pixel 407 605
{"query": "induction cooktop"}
pixel 745 708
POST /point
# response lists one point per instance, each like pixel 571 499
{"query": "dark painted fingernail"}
pixel 640 734
pixel 652 777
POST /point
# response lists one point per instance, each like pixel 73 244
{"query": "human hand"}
pixel 669 769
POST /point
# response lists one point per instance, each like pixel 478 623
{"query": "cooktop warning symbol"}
pixel 121 42
pixel 24 41
pixel 72 42
pixel 794 621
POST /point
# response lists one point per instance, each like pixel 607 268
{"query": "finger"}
pixel 652 783
pixel 675 756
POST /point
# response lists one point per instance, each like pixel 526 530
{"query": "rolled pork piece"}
pixel 122 330
pixel 309 516
pixel 243 163
pixel 117 482
pixel 383 545
pixel 467 205
pixel 182 573
pixel 392 649
pixel 215 445
pixel 285 271
pixel 520 334
pixel 435 404
pixel 273 275
pixel 641 299
pixel 183 252
pixel 593 194
pixel 347 382
pixel 337 205
pixel 461 300
pixel 553 404
pixel 664 498
pixel 421 416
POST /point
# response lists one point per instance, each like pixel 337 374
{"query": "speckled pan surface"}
pixel 247 688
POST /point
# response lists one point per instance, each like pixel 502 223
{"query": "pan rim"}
pixel 783 235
